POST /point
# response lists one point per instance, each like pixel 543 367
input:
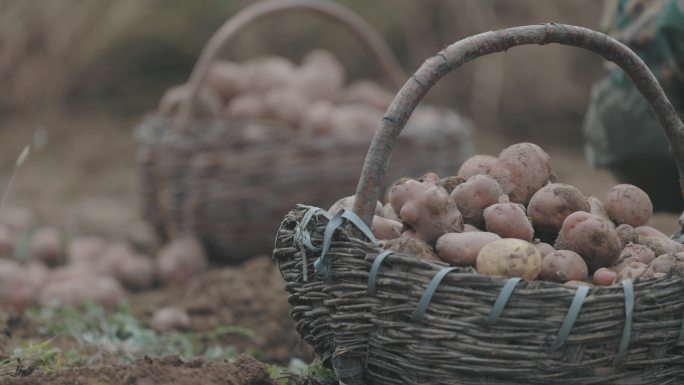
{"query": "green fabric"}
pixel 619 124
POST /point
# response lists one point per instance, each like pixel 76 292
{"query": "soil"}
pixel 167 370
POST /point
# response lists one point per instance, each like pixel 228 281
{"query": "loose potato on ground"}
pixel 562 266
pixel 426 207
pixel 85 250
pixel 181 260
pixel 508 220
pixel 628 204
pixel 636 253
pixel 510 258
pixel 169 319
pixel 551 204
pixel 604 277
pixel 627 234
pixel 78 286
pixel 592 238
pixel 476 165
pixel 461 249
pixel 412 246
pixel 17 289
pixel 386 228
pixel 136 272
pixel 46 246
pixel 474 195
pixel 521 170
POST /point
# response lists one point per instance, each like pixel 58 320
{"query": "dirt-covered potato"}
pixel 509 220
pixel 412 246
pixel 461 249
pixel 631 270
pixel 347 203
pixel 665 263
pixel 476 165
pixel 226 78
pixel 597 208
pixel 353 121
pixel 181 260
pixel 628 204
pixel 474 195
pixel 76 286
pixel 627 234
pixel 604 277
pixel 636 253
pixel 285 105
pixel 551 204
pixel 661 246
pixel 521 170
pixel 426 207
pixel 449 183
pixel 262 74
pixel 169 319
pixel 591 237
pixel 648 231
pixel 544 248
pixel 246 106
pixel 562 266
pixel 386 228
pixel 136 272
pixel 46 246
pixel 510 258
pixel 320 75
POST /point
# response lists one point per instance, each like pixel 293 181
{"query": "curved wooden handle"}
pixel 463 51
pixel 366 34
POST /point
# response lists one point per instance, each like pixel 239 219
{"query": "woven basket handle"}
pixel 377 159
pixel 366 34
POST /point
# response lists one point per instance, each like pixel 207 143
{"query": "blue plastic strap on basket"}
pixel 375 268
pixel 502 300
pixel 424 302
pixel 321 264
pixel 570 317
pixel 629 312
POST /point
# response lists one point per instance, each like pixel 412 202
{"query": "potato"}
pixel 562 266
pixel 476 165
pixel 509 258
pixel 461 249
pixel 631 270
pixel 576 284
pixel 76 287
pixel 386 228
pixel 665 263
pixel 648 231
pixel 551 204
pixel 354 120
pixel 661 246
pixel 17 290
pixel 636 253
pixel 412 246
pixel 85 250
pixel 388 213
pixel 591 237
pixel 317 119
pixel 628 204
pixel 247 106
pixel 208 103
pixel 7 242
pixel 426 207
pixel 604 277
pixel 544 248
pixel 169 319
pixel 347 203
pixel 263 74
pixel 181 260
pixel 521 170
pixel 597 208
pixel 627 234
pixel 320 76
pixel 285 105
pixel 470 228
pixel 508 220
pixel 226 78
pixel 449 183
pixel 46 246
pixel 474 195
pixel 136 272
pixel 368 93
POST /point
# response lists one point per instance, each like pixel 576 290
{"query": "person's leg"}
pixel 658 177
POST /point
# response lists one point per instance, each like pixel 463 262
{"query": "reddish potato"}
pixel 461 249
pixel 508 220
pixel 388 213
pixel 551 204
pixel 85 250
pixel 665 263
pixel 181 260
pixel 226 78
pixel 347 203
pixel 368 93
pixel 46 246
pixel 170 318
pixel 544 248
pixel 604 277
pixel 386 228
pixel 661 246
pixel 320 76
pixel 412 246
pixel 648 231
pixel 521 170
pixel 81 287
pixel 248 106
pixel 636 253
pixel 628 204
pixel 476 165
pixel 597 208
pixel 285 105
pixel 136 272
pixel 591 237
pixel 627 234
pixel 563 266
pixel 631 270
pixel 474 195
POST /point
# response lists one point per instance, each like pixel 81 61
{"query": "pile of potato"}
pixel 311 99
pixel 509 216
pixel 40 265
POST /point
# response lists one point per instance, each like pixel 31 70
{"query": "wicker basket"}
pixel 391 318
pixel 207 177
